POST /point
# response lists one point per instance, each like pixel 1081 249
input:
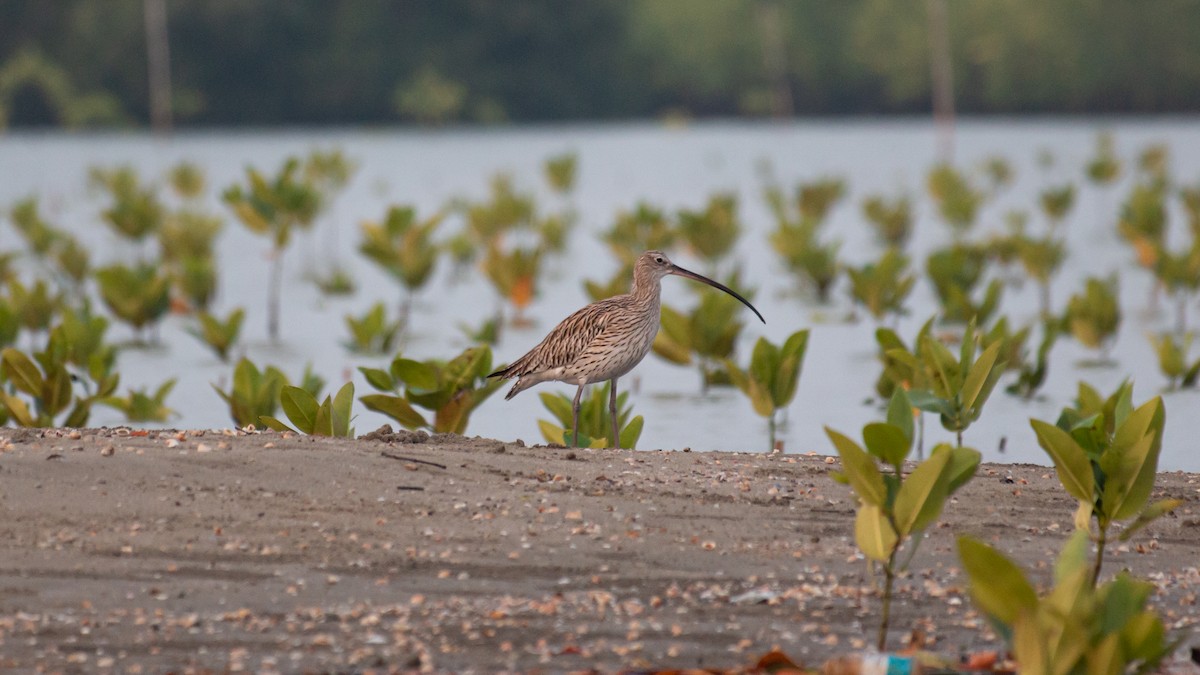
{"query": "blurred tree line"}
pixel 232 62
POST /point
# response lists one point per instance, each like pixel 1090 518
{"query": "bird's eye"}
pixel 658 259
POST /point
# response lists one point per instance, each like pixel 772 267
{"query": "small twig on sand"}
pixel 409 487
pixel 402 458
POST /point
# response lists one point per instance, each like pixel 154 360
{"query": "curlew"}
pixel 604 340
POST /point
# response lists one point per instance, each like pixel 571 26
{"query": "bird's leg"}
pixel 612 413
pixel 575 420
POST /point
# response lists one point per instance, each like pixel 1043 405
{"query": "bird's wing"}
pixel 566 342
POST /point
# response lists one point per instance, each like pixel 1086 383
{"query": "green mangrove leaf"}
pixel 1070 461
pixel 998 586
pixel 860 469
pixel 921 496
pixel 873 533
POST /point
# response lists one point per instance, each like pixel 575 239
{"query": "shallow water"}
pixel 619 165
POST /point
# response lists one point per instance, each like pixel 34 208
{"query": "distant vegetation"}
pixel 81 63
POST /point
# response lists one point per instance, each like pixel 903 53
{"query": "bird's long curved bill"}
pixel 676 269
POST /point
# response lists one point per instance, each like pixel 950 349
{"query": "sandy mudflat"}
pixel 214 551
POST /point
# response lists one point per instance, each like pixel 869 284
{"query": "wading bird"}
pixel 604 340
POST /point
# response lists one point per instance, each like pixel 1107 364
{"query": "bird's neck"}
pixel 645 290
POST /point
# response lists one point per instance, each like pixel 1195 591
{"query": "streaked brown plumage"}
pixel 604 340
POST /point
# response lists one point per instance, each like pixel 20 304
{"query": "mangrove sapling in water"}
pixel 1143 222
pixel 34 307
pixel 561 171
pixel 451 390
pixel 1179 274
pixel 1031 375
pixel 515 275
pixel 1104 168
pixel 957 200
pixel 594 424
pixel 645 228
pixel 219 335
pixel 1056 203
pixel 59 251
pixel 403 246
pixel 958 387
pixel 1106 456
pixel 330 417
pixel 771 380
pixel 1172 356
pixel 1076 627
pixel 1042 258
pixel 999 173
pixel 892 220
pixel 1094 316
pixel 894 510
pixel 711 232
pixel 138 296
pixel 955 272
pixel 372 333
pixel 273 208
pixel 795 237
pixel 136 212
pixel 881 287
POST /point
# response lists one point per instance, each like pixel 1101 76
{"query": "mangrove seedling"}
pixel 561 171
pixel 254 393
pixel 1143 222
pixel 514 275
pixel 594 424
pixel 955 272
pixel 1031 375
pixel 330 417
pixel 404 248
pixel 451 390
pixel 219 335
pixel 1075 627
pixel 1154 162
pixel 34 307
pixel 139 296
pixel 999 173
pixel 772 378
pixel 1172 360
pixel 187 179
pixel 707 335
pixel 957 387
pixel 273 208
pixel 1179 274
pixel 711 232
pixel 1056 203
pixel 1094 316
pixel 645 228
pixel 957 200
pixel 881 287
pixel 1104 168
pixel 1106 457
pixel 372 333
pixel 1042 258
pixel 136 212
pixel 48 388
pixel 901 369
pixel 895 510
pixel 140 406
pixel 891 219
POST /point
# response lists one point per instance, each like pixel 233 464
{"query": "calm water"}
pixel 619 165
